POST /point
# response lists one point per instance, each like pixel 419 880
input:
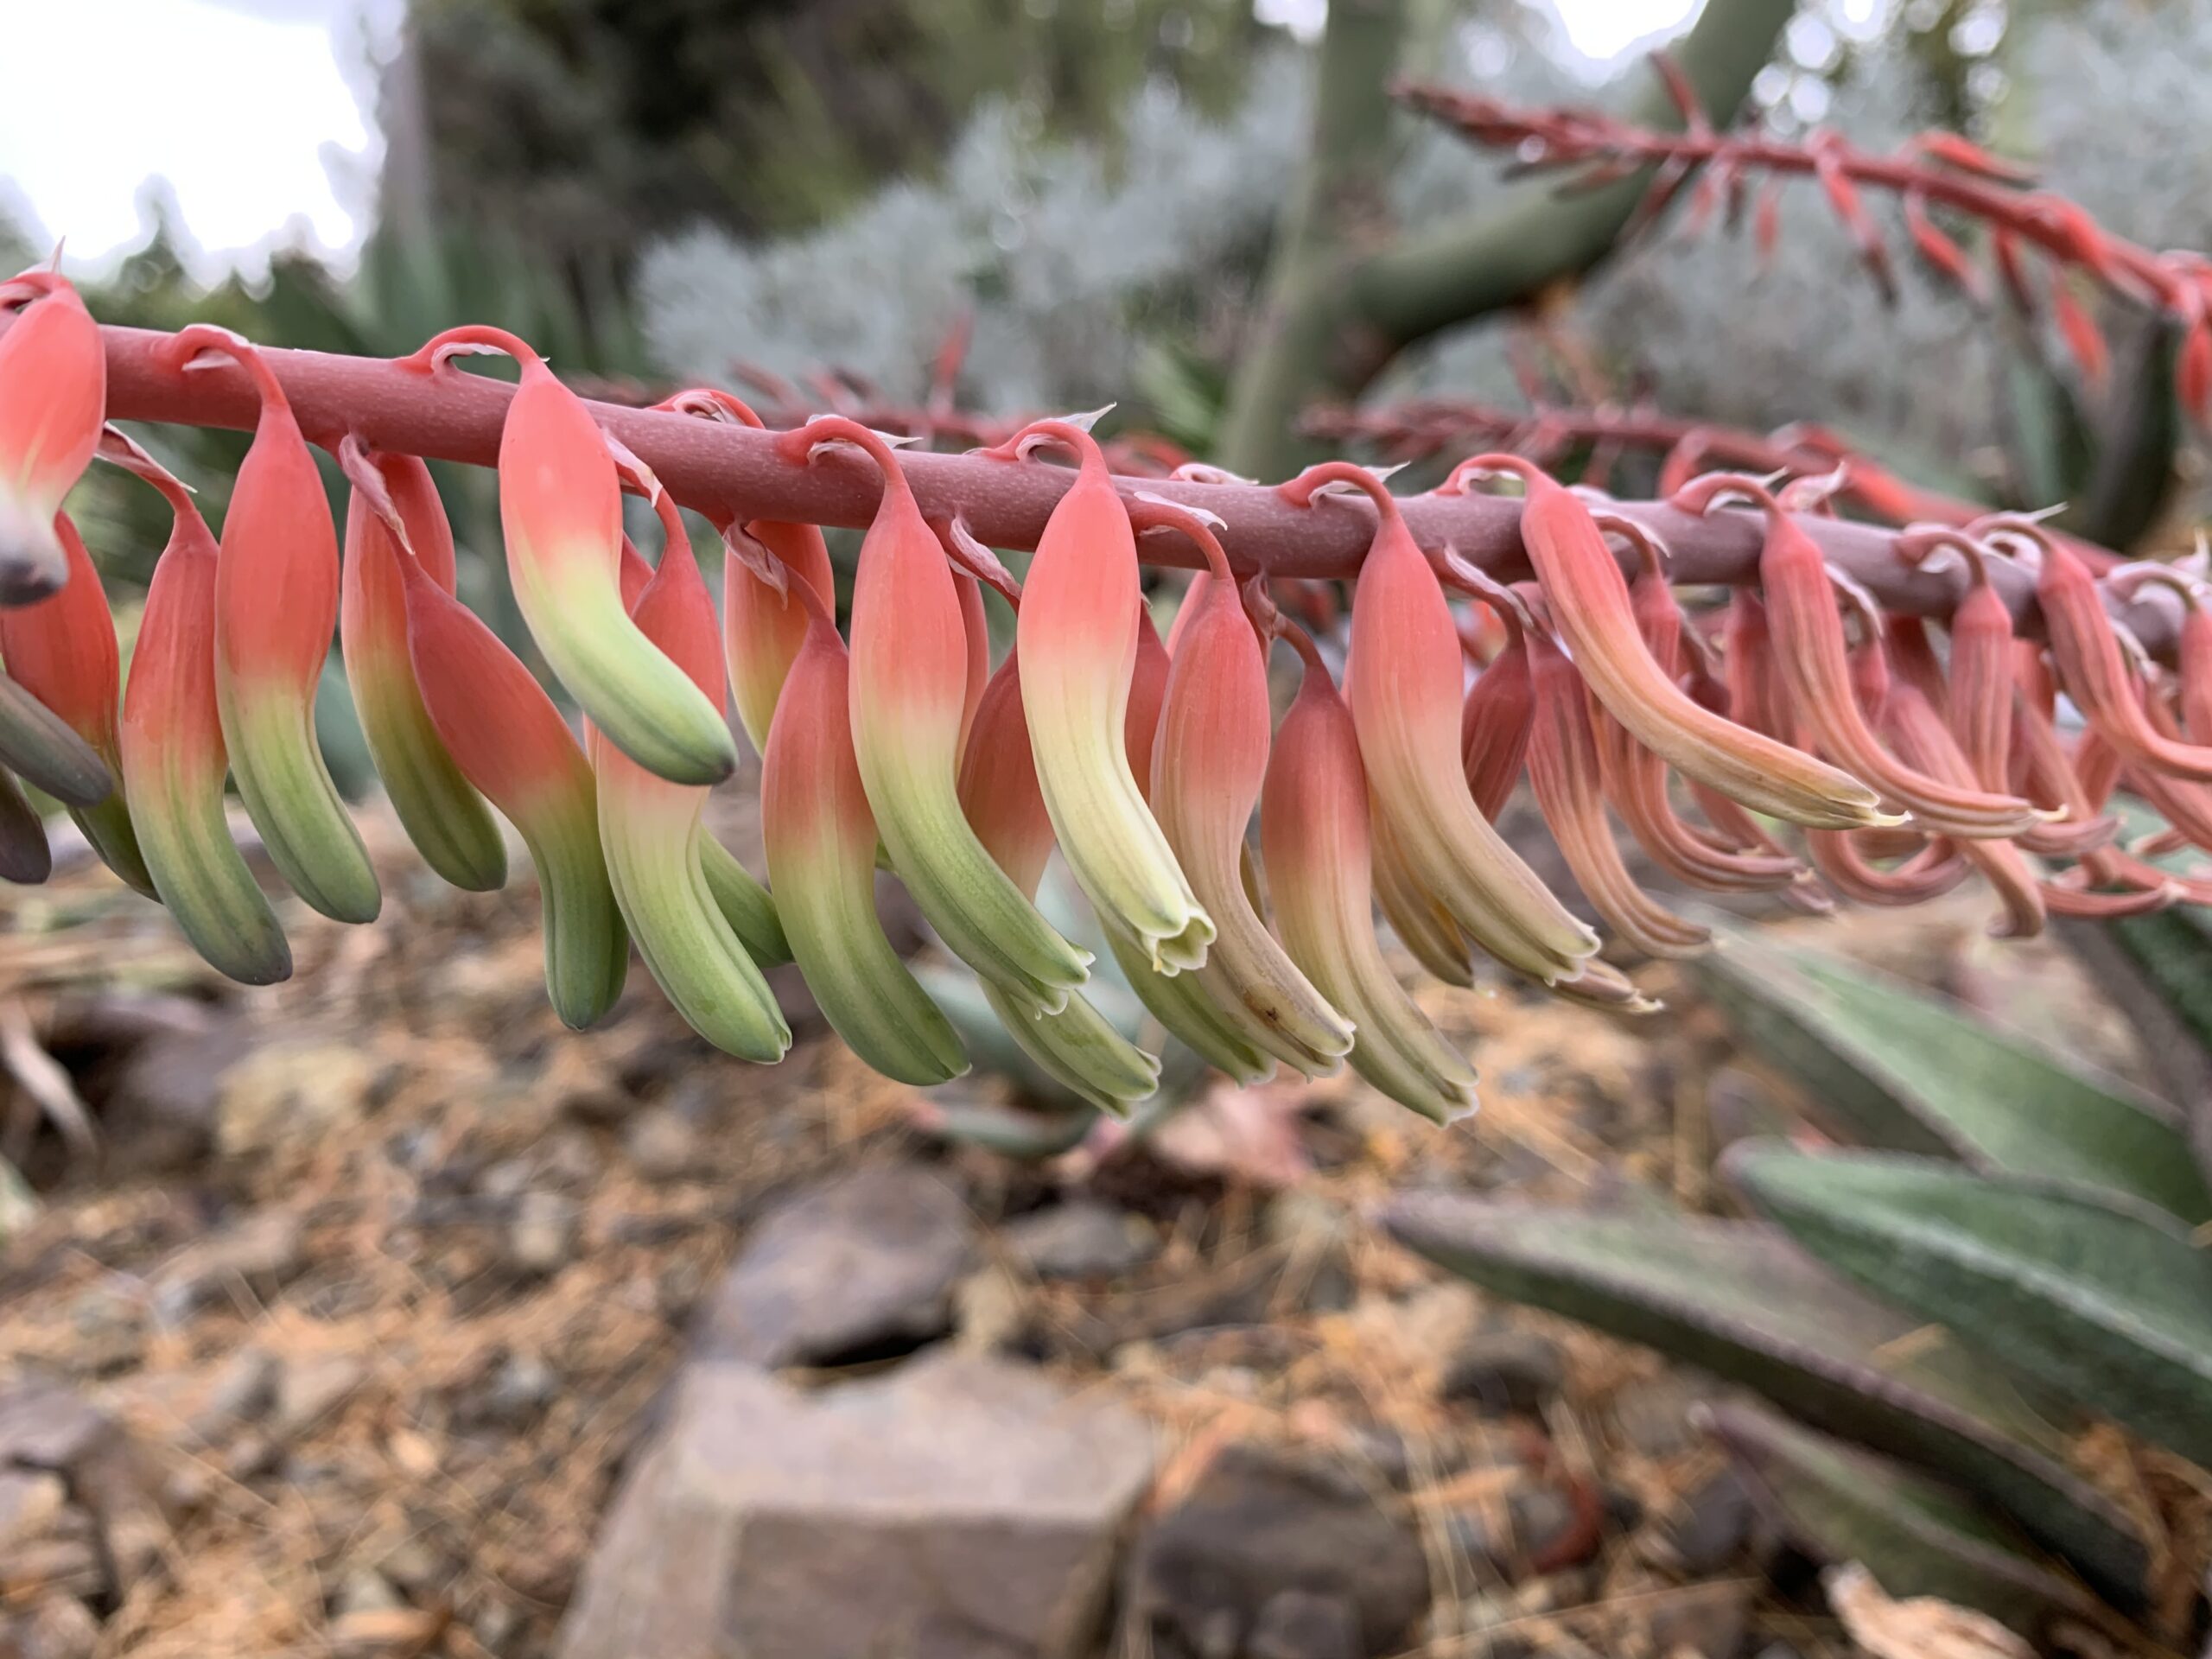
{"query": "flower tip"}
pixel 1212 520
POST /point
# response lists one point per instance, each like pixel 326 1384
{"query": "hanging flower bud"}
pixel 25 857
pixel 1979 705
pixel 649 829
pixel 2046 774
pixel 821 840
pixel 1842 862
pixel 1604 987
pixel 1078 621
pixel 276 608
pixel 560 509
pixel 1495 720
pixel 395 514
pixel 1422 925
pixel 1809 651
pixel 1209 763
pixel 1005 804
pixel 1589 598
pixel 1564 771
pixel 511 743
pixel 2193 646
pixel 52 398
pixel 62 649
pixel 1404 690
pixel 170 742
pixel 1314 836
pixel 910 659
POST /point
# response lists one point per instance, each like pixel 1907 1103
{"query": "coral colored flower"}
pixel 1005 804
pixel 1209 763
pixel 909 692
pixel 512 744
pixel 1078 625
pixel 1978 703
pixel 173 764
pixel 395 514
pixel 1494 720
pixel 763 624
pixel 649 831
pixel 1921 736
pixel 560 509
pixel 821 840
pixel 1422 925
pixel 62 649
pixel 1563 769
pixel 1589 600
pixel 1315 840
pixel 52 398
pixel 1404 689
pixel 1810 654
pixel 276 607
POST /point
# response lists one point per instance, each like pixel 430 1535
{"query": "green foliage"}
pixel 2013 1256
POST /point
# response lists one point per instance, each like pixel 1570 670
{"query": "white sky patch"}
pixel 1599 32
pixel 237 111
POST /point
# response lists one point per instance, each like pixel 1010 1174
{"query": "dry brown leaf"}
pixel 1922 1628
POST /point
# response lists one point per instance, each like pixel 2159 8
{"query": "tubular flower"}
pixel 1209 764
pixel 821 840
pixel 763 625
pixel 62 649
pixel 1495 720
pixel 1005 804
pixel 1979 703
pixel 512 744
pixel 25 856
pixel 1422 925
pixel 38 744
pixel 1604 987
pixel 1078 621
pixel 2089 658
pixel 1180 1004
pixel 1404 690
pixel 1314 837
pixel 2045 773
pixel 170 740
pixel 1563 768
pixel 909 687
pixel 2194 648
pixel 395 514
pixel 1810 654
pixel 1589 599
pixel 649 831
pixel 560 510
pixel 276 607
pixel 52 395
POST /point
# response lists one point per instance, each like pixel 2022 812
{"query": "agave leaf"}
pixel 1897 1066
pixel 1918 1536
pixel 1734 1298
pixel 2095 1299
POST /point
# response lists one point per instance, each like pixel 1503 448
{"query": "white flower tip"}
pixel 450 349
pixel 1085 422
pixel 1210 520
pixel 1205 471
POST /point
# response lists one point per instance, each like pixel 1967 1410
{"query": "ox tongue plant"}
pixel 560 509
pixel 395 514
pixel 1079 621
pixel 276 607
pixel 53 391
pixel 909 699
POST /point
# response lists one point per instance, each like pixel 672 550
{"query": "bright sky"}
pixel 259 113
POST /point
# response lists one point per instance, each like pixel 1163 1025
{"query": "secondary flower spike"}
pixel 910 661
pixel 173 761
pixel 649 829
pixel 62 650
pixel 1314 838
pixel 395 514
pixel 512 744
pixel 52 395
pixel 764 625
pixel 1404 688
pixel 276 607
pixel 1590 601
pixel 821 840
pixel 560 509
pixel 1079 624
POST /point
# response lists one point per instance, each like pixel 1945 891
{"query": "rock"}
pixel 1712 1525
pixel 1654 1416
pixel 1502 1371
pixel 159 1112
pixel 243 1389
pixel 109 1326
pixel 248 1261
pixel 1709 1620
pixel 1256 1526
pixel 662 1145
pixel 1298 1625
pixel 515 1396
pixel 857 1266
pixel 310 1391
pixel 288 1094
pixel 542 1235
pixel 992 1313
pixel 366 1591
pixel 64 1566
pixel 107 1476
pixel 30 1503
pixel 956 1506
pixel 61 1627
pixel 1081 1239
